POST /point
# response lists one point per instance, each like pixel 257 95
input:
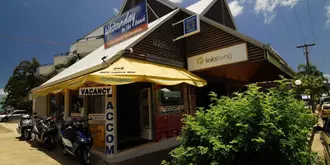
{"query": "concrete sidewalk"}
pixel 317 145
pixel 14 151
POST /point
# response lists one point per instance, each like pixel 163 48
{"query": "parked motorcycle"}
pixel 25 126
pixel 76 140
pixel 44 131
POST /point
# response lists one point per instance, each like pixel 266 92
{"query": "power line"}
pixel 286 25
pixel 296 15
pixel 33 40
pixel 43 41
pixel 310 20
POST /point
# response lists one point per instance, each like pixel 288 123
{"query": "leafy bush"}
pixel 251 128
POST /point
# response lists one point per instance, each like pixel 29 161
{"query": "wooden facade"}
pixel 158 8
pixel 160 43
pixel 220 13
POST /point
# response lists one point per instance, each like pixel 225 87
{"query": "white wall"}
pixel 97 32
pixel 45 70
pixel 40 106
pixel 62 59
pixel 85 47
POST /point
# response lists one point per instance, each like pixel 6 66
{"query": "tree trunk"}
pixel 312 102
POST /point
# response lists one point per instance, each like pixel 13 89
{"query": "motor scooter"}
pixel 24 126
pixel 76 140
pixel 44 131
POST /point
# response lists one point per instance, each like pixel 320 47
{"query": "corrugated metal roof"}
pixel 201 7
pixel 93 62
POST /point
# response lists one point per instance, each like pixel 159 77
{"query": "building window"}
pixel 96 104
pixel 170 99
pixel 77 104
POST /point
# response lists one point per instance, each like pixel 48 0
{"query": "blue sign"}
pixel 126 25
pixel 191 25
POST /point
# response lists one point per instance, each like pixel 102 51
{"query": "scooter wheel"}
pixel 26 134
pixel 85 156
pixel 33 136
pixel 50 143
pixel 63 150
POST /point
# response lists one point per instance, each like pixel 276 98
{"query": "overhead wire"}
pixel 296 15
pixel 286 25
pixel 33 40
pixel 41 41
pixel 310 20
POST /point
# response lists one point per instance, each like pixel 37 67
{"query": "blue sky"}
pixel 65 21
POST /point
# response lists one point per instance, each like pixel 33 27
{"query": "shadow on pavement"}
pixel 57 155
pixel 150 159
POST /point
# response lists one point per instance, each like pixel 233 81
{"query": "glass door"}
pixel 145 114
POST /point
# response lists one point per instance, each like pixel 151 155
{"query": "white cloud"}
pixel 176 1
pixel 327 76
pixel 2 92
pixel 327 12
pixel 235 8
pixel 115 11
pixel 267 7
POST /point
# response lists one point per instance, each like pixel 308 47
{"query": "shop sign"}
pixel 96 116
pixel 126 25
pixel 110 138
pixel 116 80
pixel 163 60
pixel 171 109
pixel 233 54
pixel 191 26
pixel 107 90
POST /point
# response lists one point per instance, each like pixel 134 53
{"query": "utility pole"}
pixel 306 54
pixel 308 70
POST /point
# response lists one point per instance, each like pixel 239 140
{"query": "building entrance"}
pixel 134 110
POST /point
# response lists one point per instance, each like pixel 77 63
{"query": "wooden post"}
pixel 66 103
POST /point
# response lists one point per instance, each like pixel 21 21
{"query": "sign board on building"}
pixel 126 25
pixel 110 126
pixel 106 90
pixel 191 26
pixel 96 116
pixel 229 55
pixel 163 60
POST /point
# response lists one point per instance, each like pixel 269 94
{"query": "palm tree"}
pixel 29 71
pixel 313 81
pixel 25 77
pixel 303 69
pixel 60 67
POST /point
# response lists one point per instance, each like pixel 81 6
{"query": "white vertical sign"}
pixel 111 124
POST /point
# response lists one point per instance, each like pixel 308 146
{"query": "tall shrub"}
pixel 251 128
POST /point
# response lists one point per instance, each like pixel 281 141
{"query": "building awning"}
pixel 127 71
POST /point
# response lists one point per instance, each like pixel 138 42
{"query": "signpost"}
pixel 191 26
pixel 130 23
